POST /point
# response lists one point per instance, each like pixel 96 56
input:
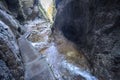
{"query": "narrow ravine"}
pixel 59 39
pixel 52 55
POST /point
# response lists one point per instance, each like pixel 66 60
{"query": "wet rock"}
pixel 30 8
pixel 27 51
pixel 15 7
pixel 34 14
pixel 9 52
pixel 12 23
pixel 38 69
pixel 23 9
pixel 93 25
pixel 3 6
pixel 27 5
pixel 5 72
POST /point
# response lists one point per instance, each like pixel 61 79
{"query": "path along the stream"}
pixel 48 58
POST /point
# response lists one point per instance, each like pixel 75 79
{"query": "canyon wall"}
pixel 11 64
pixel 94 26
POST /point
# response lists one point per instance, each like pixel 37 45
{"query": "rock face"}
pixel 10 21
pixel 11 65
pixel 94 26
pixel 15 7
pixel 9 51
pixel 23 9
pixel 5 73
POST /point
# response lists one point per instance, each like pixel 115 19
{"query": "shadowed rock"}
pixel 94 26
pixel 9 52
pixel 5 73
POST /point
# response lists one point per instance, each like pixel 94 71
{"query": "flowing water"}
pixel 57 56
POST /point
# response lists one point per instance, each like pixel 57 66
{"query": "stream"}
pixel 55 54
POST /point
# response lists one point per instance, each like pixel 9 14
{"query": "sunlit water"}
pixel 76 70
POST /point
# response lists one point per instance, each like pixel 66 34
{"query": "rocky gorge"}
pixel 93 25
pixel 59 40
